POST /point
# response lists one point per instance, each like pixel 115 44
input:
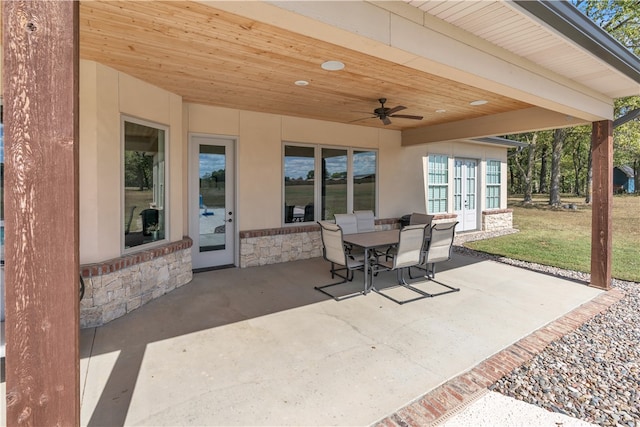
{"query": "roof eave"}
pixel 567 20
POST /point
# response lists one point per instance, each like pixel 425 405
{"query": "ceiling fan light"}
pixel 332 65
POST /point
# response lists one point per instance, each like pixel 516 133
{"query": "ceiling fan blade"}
pixel 363 118
pixel 385 120
pixel 406 116
pixel 396 109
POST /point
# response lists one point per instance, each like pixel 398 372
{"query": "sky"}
pixel 364 163
pixel 299 167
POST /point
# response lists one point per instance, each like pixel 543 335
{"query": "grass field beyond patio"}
pixel 562 238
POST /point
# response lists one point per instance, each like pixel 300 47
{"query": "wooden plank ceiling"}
pixel 212 57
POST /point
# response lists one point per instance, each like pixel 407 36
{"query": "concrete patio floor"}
pixel 260 346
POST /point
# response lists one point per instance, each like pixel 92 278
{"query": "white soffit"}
pixel 503 24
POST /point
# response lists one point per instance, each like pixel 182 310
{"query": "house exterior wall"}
pixel 107 94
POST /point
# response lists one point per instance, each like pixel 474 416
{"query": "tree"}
pixel 621 19
pixel 543 186
pixel 556 157
pixel 138 169
pixel 526 170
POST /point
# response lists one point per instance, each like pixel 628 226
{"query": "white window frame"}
pixel 494 186
pixel 440 185
pixel 163 197
pixel 318 182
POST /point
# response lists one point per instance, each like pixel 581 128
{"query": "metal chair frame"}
pixel 407 255
pixel 438 248
pixel 333 250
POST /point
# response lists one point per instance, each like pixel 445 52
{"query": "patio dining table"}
pixel 372 240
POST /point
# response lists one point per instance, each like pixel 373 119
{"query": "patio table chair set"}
pixel 418 245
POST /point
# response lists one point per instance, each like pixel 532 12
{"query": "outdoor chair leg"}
pixel 348 277
pixel 402 282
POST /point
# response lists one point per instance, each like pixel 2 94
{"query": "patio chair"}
pixel 349 225
pixel 333 250
pixel 308 212
pixel 415 219
pixel 347 222
pixel 408 254
pixel 365 221
pixel 420 218
pixel 439 248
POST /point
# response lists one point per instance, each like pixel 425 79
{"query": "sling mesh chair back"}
pixel 348 223
pixel 407 254
pixel 439 249
pixel 365 221
pixel 420 218
pixel 415 219
pixel 342 265
pixel 440 245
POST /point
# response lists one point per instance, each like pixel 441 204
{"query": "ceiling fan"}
pixel 384 113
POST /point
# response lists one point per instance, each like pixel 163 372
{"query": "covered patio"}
pixel 251 76
pixel 260 346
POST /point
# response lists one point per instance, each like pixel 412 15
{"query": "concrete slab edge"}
pixel 451 397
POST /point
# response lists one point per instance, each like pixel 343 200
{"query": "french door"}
pixel 465 193
pixel 212 201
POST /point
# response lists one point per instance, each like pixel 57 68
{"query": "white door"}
pixel 465 194
pixel 211 201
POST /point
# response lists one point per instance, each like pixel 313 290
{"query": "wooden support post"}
pixel 602 204
pixel 40 75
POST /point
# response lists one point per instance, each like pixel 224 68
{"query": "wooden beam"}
pixel 40 76
pixel 518 121
pixel 602 204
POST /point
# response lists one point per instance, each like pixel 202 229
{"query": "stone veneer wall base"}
pixel 116 287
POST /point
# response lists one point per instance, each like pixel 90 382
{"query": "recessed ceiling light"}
pixel 301 83
pixel 479 102
pixel 332 65
pixel 440 111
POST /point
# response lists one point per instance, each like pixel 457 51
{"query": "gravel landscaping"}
pixel 593 373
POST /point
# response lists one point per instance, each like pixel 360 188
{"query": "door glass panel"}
pixel 334 182
pixel 212 167
pixel 471 185
pixel 299 178
pixel 457 186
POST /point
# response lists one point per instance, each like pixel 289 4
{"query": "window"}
pixel 299 180
pixel 347 182
pixel 364 180
pixel 334 182
pixel 493 184
pixel 143 180
pixel 438 183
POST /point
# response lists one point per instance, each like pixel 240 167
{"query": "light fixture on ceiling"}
pixel 441 110
pixel 332 65
pixel 478 102
pixel 301 83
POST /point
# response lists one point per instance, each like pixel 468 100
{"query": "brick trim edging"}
pixel 293 229
pixel 265 232
pixel 497 211
pixel 460 391
pixel 128 260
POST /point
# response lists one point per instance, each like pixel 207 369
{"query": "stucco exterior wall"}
pixel 106 95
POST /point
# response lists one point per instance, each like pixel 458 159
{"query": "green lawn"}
pixel 562 238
